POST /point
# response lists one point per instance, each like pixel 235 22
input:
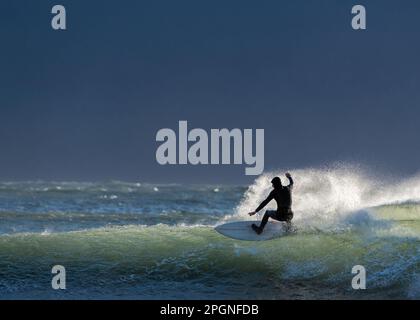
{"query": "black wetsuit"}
pixel 283 197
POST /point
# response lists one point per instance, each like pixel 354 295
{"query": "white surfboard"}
pixel 242 230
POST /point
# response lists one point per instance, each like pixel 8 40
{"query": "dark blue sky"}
pixel 86 103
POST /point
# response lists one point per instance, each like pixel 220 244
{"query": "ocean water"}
pixel 121 240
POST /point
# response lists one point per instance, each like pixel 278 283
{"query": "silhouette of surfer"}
pixel 283 196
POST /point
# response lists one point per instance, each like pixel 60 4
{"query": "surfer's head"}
pixel 276 182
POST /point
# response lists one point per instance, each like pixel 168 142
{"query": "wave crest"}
pixel 326 196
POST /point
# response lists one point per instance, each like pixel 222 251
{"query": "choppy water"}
pixel 144 241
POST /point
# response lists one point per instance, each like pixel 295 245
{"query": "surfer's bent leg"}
pixel 268 214
pixel 287 217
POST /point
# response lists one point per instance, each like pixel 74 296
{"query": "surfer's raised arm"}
pixel 263 204
pixel 288 176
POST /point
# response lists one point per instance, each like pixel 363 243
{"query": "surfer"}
pixel 283 196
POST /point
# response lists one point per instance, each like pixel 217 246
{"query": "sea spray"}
pixel 324 197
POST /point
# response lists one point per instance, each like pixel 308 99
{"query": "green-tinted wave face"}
pixel 196 262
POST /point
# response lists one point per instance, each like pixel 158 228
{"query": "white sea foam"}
pixel 326 196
